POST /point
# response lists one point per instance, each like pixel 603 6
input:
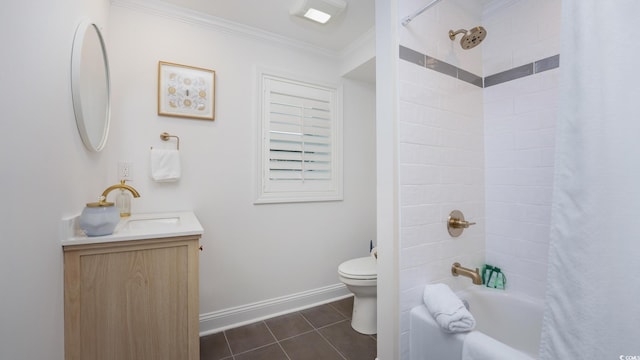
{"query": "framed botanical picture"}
pixel 186 91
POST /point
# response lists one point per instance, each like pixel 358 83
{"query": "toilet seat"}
pixel 363 268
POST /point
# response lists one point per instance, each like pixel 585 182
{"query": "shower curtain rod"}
pixel 408 19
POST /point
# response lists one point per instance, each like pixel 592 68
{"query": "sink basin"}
pixel 151 223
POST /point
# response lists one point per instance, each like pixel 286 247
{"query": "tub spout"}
pixel 457 269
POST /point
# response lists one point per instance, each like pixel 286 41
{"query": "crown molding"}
pixel 368 37
pixel 163 9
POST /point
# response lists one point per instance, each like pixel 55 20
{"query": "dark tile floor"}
pixel 319 333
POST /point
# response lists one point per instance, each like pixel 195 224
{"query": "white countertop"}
pixel 136 227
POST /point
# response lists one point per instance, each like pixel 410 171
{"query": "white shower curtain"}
pixel 593 294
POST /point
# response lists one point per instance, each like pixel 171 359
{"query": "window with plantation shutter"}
pixel 300 153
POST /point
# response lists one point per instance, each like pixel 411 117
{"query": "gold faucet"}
pixel 457 269
pixel 122 185
pixel 123 203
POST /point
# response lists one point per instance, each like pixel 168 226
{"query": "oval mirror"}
pixel 90 88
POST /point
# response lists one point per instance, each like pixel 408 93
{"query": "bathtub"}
pixel 511 322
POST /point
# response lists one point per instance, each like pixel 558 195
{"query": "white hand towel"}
pixel 165 165
pixel 447 309
pixel 478 346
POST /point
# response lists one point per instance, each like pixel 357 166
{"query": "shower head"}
pixel 471 38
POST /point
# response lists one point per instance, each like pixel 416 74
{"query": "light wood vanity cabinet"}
pixel 132 300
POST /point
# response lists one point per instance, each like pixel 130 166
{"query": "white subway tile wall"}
pixel 441 169
pixel 519 178
pixel 520 32
pixel 519 118
pixel 441 161
pixel 429 32
pixel 488 152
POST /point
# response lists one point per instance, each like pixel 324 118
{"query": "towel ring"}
pixel 165 137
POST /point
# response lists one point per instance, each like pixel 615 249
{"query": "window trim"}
pixel 265 194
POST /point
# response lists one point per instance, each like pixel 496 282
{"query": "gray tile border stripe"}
pixel 470 78
pixel 412 56
pixel 545 64
pixel 511 74
pixel 440 66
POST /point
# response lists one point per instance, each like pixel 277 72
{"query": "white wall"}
pixel 252 253
pixel 520 120
pixel 441 160
pixel 387 179
pixel 46 171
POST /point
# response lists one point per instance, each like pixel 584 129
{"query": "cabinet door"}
pixel 136 302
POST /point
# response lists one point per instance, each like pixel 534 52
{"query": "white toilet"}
pixel 361 276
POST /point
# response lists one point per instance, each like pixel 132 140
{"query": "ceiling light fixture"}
pixel 317 15
pixel 320 11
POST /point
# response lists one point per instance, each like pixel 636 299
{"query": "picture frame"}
pixel 186 91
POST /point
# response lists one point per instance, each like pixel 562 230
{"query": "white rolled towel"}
pixel 165 165
pixel 447 309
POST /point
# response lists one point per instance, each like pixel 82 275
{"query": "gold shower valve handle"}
pixel 460 224
pixel 456 223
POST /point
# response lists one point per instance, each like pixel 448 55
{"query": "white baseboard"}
pixel 221 320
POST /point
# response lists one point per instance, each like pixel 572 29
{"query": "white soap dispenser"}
pixel 123 201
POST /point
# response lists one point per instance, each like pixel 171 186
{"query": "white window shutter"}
pixel 301 142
